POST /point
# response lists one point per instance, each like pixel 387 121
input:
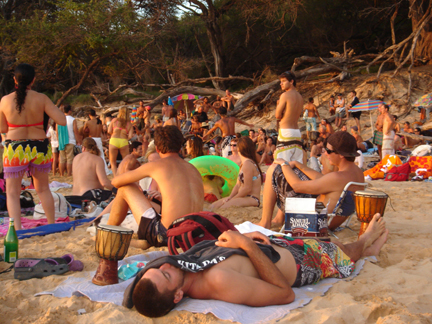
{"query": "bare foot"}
pixel 279 220
pixel 376 246
pixel 263 224
pixel 374 230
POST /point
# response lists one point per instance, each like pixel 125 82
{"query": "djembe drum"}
pixel 112 243
pixel 368 203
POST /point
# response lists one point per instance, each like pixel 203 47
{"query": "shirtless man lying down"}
pixel 251 274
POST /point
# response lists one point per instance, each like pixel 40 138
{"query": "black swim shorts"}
pixel 151 229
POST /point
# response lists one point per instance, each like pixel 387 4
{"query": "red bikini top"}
pixel 29 125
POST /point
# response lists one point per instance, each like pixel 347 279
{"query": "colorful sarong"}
pixel 289 145
pixel 315 259
pixel 378 138
pixel 22 155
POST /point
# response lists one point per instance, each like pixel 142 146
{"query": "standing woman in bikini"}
pixel 27 147
pixel 121 131
pixel 248 188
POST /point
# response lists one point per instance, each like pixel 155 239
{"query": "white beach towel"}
pixel 82 286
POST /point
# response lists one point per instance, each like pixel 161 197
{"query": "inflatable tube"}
pixel 218 166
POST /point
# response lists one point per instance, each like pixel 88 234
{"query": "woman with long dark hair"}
pixel 194 147
pixel 27 147
pixel 248 187
pixel 173 120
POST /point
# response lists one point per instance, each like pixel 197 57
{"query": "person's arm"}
pixel 243 123
pixel 76 133
pixel 216 126
pixel 280 108
pixel 246 187
pixel 51 110
pixel 130 132
pixel 131 176
pixel 100 172
pixel 316 111
pixel 317 186
pixel 232 286
pixel 4 126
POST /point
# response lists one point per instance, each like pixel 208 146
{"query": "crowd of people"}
pixel 147 156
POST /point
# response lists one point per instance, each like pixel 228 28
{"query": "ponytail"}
pixel 24 76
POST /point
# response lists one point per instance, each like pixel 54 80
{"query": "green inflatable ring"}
pixel 218 166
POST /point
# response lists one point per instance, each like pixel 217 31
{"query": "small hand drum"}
pixel 368 203
pixel 112 243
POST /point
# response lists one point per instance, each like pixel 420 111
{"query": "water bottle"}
pixel 11 243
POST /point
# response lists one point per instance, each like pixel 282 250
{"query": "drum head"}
pixel 369 193
pixel 114 229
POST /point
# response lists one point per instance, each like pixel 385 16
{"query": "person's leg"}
pixel 62 165
pixel 269 199
pixel 13 189
pixel 69 158
pixel 240 202
pixel 124 151
pixel 373 238
pixel 357 121
pixel 41 184
pixel 113 151
pixel 55 162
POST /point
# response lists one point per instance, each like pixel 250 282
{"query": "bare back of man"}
pixel 180 184
pixel 93 127
pixel 312 110
pixel 389 124
pixel 89 173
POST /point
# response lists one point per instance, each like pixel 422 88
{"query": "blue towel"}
pixel 51 228
pixel 63 136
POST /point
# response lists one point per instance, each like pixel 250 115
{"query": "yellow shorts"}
pixel 118 142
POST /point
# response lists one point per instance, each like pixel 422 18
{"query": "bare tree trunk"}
pixel 423 49
pixel 215 38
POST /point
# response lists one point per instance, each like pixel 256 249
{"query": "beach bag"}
pixel 398 173
pixel 191 229
pixel 61 206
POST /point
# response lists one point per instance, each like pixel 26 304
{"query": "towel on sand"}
pixel 82 286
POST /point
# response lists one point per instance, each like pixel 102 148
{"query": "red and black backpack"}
pixel 191 229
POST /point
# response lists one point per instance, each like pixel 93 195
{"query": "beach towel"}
pixel 63 136
pixel 82 286
pixel 377 172
pixel 29 223
pixel 421 162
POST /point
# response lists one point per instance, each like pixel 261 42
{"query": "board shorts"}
pixel 289 146
pixel 151 229
pixel 67 155
pixel 283 189
pixel 165 118
pixel 388 144
pixel 378 138
pixel 340 112
pixel 356 114
pixel 118 142
pixel 311 124
pixel 315 260
pixel 22 155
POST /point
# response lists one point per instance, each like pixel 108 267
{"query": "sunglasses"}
pixel 233 145
pixel 329 151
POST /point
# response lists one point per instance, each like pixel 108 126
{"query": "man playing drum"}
pixel 293 179
pixel 179 182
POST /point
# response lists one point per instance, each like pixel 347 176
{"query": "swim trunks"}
pixel 356 114
pixel 340 112
pixel 226 146
pixel 22 155
pixel 289 145
pixel 151 229
pixel 388 144
pixel 311 124
pixel 378 138
pixel 315 260
pixel 283 189
pixel 118 142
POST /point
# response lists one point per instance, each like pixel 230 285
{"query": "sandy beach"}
pixel 396 289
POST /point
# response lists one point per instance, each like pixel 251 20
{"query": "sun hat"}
pixel 343 143
pixel 157 117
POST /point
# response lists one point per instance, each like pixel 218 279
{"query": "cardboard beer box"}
pixel 305 217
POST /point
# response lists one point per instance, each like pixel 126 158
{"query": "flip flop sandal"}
pixel 27 268
pixel 74 265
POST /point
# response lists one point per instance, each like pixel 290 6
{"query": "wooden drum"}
pixel 368 203
pixel 112 244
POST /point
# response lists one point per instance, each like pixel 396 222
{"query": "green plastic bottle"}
pixel 11 243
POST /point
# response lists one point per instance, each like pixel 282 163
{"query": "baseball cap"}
pixel 355 128
pixel 343 143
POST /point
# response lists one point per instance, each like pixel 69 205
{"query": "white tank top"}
pixel 71 134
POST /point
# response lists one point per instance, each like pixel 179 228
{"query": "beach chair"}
pixel 338 208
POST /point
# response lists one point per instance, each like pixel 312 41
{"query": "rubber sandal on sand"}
pixel 33 268
pixel 74 265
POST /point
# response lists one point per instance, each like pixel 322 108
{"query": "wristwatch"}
pixel 285 163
